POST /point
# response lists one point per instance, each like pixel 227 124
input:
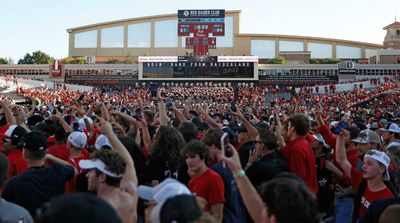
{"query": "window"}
pixel 319 50
pixel 290 46
pixel 112 37
pixel 166 33
pixel 348 52
pixel 263 48
pixel 139 35
pixel 398 32
pixel 227 40
pixel 86 39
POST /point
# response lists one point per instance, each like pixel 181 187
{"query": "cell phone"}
pixel 168 103
pixel 51 108
pixel 138 113
pixel 225 148
pixel 81 97
pixel 233 106
pixel 153 90
pixel 339 128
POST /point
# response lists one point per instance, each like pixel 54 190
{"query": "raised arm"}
pixel 8 113
pixel 161 110
pixel 130 173
pixel 247 125
pixel 341 156
pixel 252 200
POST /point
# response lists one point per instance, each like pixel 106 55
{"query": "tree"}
pixel 324 61
pixel 278 60
pixel 112 61
pixel 37 57
pixel 73 60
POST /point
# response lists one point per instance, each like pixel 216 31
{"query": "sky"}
pixel 30 25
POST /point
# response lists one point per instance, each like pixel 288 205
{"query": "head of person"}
pixel 298 125
pixel 212 138
pixel 4 165
pixel 167 145
pixel 12 137
pixel 391 132
pixel 76 140
pixel 148 116
pixel 34 145
pixel 196 155
pixel 188 131
pixel 376 165
pixel 266 141
pixel 391 214
pixel 393 151
pixel 350 134
pixel 287 200
pixel 60 135
pixel 106 167
pixel 242 135
pixel 80 208
pixel 367 140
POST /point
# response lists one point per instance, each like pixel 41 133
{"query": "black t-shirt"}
pixel 376 209
pixel 266 168
pixel 37 185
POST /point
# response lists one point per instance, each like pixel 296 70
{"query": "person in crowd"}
pixel 10 212
pixel 268 161
pixel 38 183
pixel 298 152
pixel 369 184
pixel 234 210
pixel 112 175
pixel 12 149
pixel 205 182
pixel 77 208
pixel 277 198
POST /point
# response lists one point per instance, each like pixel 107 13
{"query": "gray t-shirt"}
pixel 12 213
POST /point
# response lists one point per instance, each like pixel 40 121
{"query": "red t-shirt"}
pixel 59 151
pixel 209 186
pixel 301 161
pixel 368 196
pixel 3 130
pixel 70 186
pixel 17 162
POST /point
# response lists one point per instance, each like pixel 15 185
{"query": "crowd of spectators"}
pixel 163 157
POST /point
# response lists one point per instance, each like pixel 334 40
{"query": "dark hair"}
pixel 289 200
pixel 80 208
pixel 114 163
pixel 300 123
pixel 196 147
pixel 188 131
pixel 213 137
pixel 60 134
pixel 168 144
pixel 268 138
pixel 4 165
pixel 138 158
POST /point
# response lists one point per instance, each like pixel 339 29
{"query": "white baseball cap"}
pixel 166 189
pixel 98 164
pixel 101 141
pixel 78 139
pixel 382 158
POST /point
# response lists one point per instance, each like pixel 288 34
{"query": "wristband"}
pixel 239 174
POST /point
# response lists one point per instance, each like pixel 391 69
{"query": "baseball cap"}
pixel 382 158
pixel 14 134
pixel 321 140
pixel 167 188
pixel 78 139
pixel 33 141
pixel 82 124
pixel 394 128
pixel 179 208
pixel 374 126
pixel 102 141
pixel 367 136
pixel 98 164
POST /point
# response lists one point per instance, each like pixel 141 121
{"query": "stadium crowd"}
pixel 201 154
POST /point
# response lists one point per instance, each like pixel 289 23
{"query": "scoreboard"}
pixel 198 68
pixel 200 28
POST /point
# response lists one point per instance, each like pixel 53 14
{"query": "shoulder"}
pixel 129 189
